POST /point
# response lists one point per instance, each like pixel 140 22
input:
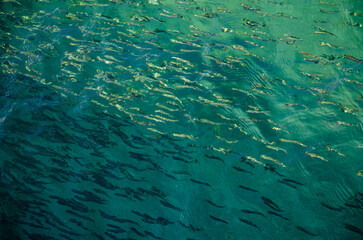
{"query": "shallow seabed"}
pixel 181 119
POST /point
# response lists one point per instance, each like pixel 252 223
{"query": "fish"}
pixel 323 31
pixel 137 232
pixel 212 203
pixel 353 228
pixel 241 169
pixel 252 212
pixel 285 16
pixel 292 141
pixel 199 182
pixel 249 223
pixel 247 188
pixel 352 58
pixel 214 157
pixel 316 156
pixel 306 231
pixel 277 214
pixel 339 209
pixel 271 204
pixel 147 233
pixel 273 160
pixel 169 205
pixel 114 218
pixel 218 219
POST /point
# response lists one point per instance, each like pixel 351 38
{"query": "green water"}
pixel 181 119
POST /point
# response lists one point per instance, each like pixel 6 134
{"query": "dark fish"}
pixel 218 219
pixel 101 191
pixel 306 231
pixel 251 212
pixel 22 222
pixel 113 218
pixel 356 201
pixel 353 228
pixel 79 215
pixel 147 233
pixel 246 188
pixel 75 205
pixel 212 203
pixel 160 31
pixel 78 223
pixel 286 183
pixel 278 215
pixel 145 217
pixel 68 232
pixel 98 236
pixel 162 221
pixel 169 205
pixel 115 229
pixel 191 227
pixel 271 204
pixel 271 168
pixel 332 208
pixel 88 196
pixel 214 157
pixel 137 232
pixel 180 159
pixel 291 181
pixel 182 172
pixel 35 236
pixel 241 169
pixel 199 182
pixel 64 236
pixel 114 237
pixel 249 223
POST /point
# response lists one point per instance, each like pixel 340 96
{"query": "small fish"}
pixel 330 45
pixel 306 231
pixel 286 16
pixel 323 31
pixel 316 156
pixel 241 169
pixel 276 148
pixel 249 223
pixel 331 149
pixel 328 12
pixel 169 205
pixel 212 203
pixel 353 228
pixel 214 157
pixel 273 160
pixel 137 232
pixel 292 141
pixel 352 58
pixel 182 172
pixel 339 209
pixel 356 14
pixel 218 219
pixel 199 182
pixel 251 212
pixel 246 188
pixel 271 204
pixel 286 41
pixel 292 181
pixel 277 214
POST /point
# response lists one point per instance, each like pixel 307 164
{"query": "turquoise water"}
pixel 181 119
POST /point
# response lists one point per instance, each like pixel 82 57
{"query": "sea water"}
pixel 185 119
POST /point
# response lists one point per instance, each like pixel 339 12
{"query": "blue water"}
pixel 181 119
